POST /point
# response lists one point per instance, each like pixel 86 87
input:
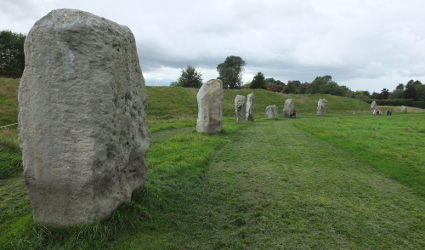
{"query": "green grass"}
pixel 8 101
pixel 273 186
pixel 394 145
pixel 342 181
pixel 10 153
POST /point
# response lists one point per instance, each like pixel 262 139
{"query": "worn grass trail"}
pixel 275 186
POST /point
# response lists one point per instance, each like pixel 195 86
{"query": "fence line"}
pixel 9 125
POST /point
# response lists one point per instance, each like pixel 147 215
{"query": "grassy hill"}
pixel 173 102
pixel 180 103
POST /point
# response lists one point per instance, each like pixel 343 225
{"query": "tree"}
pixel 400 86
pixel 291 87
pixel 410 91
pixel 375 95
pixel 189 78
pixel 258 82
pixel 362 95
pixel 384 94
pixel 316 86
pixel 420 92
pixel 396 94
pixel 12 57
pixel 230 72
pixel 272 81
pixel 302 89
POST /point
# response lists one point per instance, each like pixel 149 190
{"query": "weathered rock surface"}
pixel 271 112
pixel 373 106
pixel 240 108
pixel 82 127
pixel 288 107
pixel 321 107
pixel 403 109
pixel 210 107
pixel 250 106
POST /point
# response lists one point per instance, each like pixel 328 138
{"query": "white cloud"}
pixel 365 45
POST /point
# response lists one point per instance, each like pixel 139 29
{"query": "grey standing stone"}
pixel 271 112
pixel 250 106
pixel 288 107
pixel 240 108
pixel 373 106
pixel 82 127
pixel 210 107
pixel 403 109
pixel 321 107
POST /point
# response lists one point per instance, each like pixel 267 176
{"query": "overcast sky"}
pixel 362 44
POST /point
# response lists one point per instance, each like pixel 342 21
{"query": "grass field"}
pixel 342 181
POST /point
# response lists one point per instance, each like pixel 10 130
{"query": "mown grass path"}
pixel 277 187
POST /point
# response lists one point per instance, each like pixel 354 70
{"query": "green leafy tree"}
pixel 410 91
pixel 12 57
pixel 292 87
pixel 272 81
pixel 420 92
pixel 258 82
pixel 317 85
pixel 384 94
pixel 396 94
pixel 375 96
pixel 189 78
pixel 400 86
pixel 302 89
pixel 361 95
pixel 331 88
pixel 230 72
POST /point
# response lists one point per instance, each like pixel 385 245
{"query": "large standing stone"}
pixel 288 107
pixel 373 106
pixel 271 112
pixel 403 109
pixel 240 108
pixel 321 107
pixel 210 107
pixel 82 127
pixel 250 106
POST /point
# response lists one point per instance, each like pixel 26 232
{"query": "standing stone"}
pixel 403 109
pixel 240 108
pixel 288 107
pixel 82 127
pixel 373 106
pixel 210 107
pixel 250 106
pixel 271 112
pixel 321 107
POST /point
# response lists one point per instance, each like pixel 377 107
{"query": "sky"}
pixel 363 44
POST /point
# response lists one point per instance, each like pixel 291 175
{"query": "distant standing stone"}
pixel 240 108
pixel 403 109
pixel 250 106
pixel 321 107
pixel 288 107
pixel 373 106
pixel 82 129
pixel 210 107
pixel 271 112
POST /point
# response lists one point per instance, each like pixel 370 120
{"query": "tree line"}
pixel 12 58
pixel 12 64
pixel 230 72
